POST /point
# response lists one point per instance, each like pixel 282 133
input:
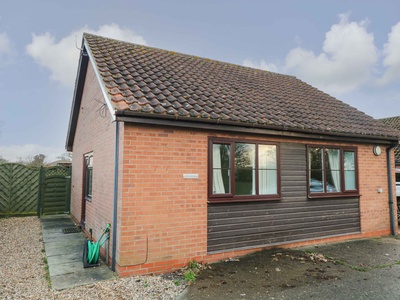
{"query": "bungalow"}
pixel 190 158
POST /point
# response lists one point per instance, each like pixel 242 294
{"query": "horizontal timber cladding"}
pixel 294 218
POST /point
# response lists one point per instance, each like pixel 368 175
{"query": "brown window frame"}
pixel 88 176
pixel 343 192
pixel 231 197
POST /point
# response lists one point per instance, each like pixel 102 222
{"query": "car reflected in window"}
pixel 316 186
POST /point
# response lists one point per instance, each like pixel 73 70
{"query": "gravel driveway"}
pixel 23 271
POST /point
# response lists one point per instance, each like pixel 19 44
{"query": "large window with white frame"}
pixel 243 171
pixel 332 171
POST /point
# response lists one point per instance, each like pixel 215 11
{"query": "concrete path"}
pixel 64 255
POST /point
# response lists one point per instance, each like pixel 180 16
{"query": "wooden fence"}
pixel 28 190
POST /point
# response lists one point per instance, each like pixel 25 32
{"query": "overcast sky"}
pixel 349 49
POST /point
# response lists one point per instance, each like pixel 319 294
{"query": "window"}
pixel 332 171
pixel 242 170
pixel 88 176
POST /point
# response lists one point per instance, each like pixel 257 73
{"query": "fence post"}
pixel 40 192
pixel 68 202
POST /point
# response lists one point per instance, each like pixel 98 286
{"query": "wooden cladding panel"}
pixel 294 218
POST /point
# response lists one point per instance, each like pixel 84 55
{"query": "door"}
pixel 87 184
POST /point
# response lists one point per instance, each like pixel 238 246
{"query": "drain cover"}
pixel 71 230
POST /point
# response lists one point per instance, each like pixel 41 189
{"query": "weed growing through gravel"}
pixel 46 268
pixel 192 270
pixel 190 276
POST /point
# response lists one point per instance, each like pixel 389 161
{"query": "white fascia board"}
pixel 101 83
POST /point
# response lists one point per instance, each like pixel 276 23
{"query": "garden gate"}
pixel 30 190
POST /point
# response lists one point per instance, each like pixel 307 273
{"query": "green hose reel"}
pixel 92 249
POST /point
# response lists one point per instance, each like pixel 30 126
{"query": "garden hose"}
pixel 94 247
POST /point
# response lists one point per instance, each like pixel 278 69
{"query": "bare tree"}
pixel 35 161
pixel 65 156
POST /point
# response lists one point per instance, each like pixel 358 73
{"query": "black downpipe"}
pixel 391 209
pixel 114 227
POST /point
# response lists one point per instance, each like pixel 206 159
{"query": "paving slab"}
pixel 81 277
pixel 64 255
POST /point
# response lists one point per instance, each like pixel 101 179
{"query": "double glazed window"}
pixel 332 170
pixel 243 171
pixel 88 176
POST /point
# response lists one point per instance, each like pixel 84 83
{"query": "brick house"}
pixel 190 158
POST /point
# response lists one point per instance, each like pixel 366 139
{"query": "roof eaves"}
pixel 217 124
pixel 76 102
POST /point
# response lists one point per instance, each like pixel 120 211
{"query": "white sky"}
pixel 349 49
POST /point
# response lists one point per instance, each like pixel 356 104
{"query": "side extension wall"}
pixel 95 133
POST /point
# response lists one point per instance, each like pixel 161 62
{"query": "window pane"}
pixel 245 171
pixel 332 161
pixel 221 169
pixel 267 170
pixel 88 175
pixel 349 170
pixel 90 178
pixel 316 176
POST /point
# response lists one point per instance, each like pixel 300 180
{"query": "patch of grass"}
pixel 357 268
pixel 309 251
pixel 386 266
pixel 194 265
pixel 46 268
pixel 362 269
pixel 192 269
pixel 189 276
pixel 339 262
pixel 177 282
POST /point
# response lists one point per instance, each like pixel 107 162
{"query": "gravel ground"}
pixel 23 271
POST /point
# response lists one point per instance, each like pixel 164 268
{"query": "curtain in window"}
pixel 252 156
pixel 267 176
pixel 334 163
pixel 218 184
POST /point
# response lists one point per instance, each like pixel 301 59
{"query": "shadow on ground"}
pixel 362 269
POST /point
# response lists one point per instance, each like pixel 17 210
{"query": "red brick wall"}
pixel 95 133
pixel 374 206
pixel 162 220
pixel 170 212
pixel 159 204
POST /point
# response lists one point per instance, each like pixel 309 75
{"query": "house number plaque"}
pixel 190 175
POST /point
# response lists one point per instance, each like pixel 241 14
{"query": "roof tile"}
pixel 166 83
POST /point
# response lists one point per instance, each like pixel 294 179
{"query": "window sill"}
pixel 325 196
pixel 88 199
pixel 239 200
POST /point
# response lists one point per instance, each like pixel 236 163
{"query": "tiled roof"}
pixel 158 83
pixel 394 122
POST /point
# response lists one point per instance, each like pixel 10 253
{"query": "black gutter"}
pixel 114 223
pixel 390 186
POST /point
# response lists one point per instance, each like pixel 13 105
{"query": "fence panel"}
pixel 19 189
pixel 29 190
